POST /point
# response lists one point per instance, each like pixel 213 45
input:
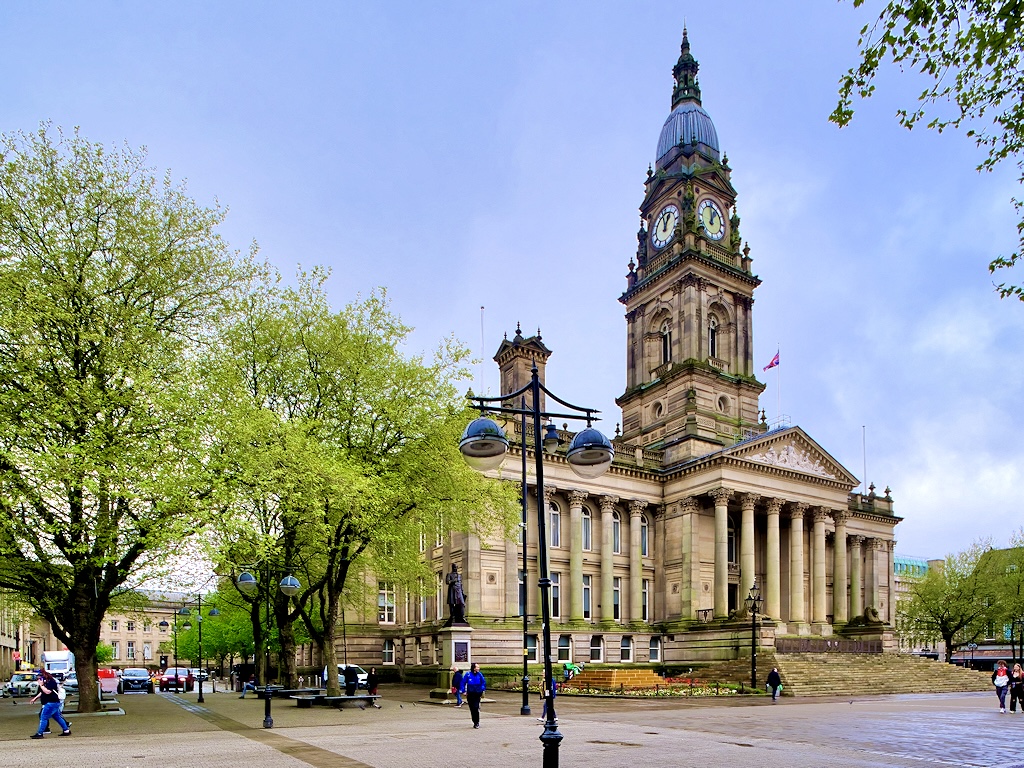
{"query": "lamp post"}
pixel 972 647
pixel 188 626
pixel 590 454
pixel 753 603
pixel 289 586
pixel 525 708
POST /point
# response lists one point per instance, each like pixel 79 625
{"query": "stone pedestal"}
pixel 456 649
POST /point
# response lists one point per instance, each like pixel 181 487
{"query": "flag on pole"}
pixel 773 363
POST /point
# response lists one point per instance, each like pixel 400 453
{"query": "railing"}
pixel 719 253
pixel 705 615
pixel 821 645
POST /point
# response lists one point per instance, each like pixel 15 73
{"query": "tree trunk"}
pixel 287 674
pixel 88 679
pixel 329 651
pixel 947 640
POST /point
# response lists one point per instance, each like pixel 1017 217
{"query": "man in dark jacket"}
pixel 351 680
pixel 774 682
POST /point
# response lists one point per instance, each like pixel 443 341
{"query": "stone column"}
pixel 747 573
pixel 721 497
pixel 636 563
pixel 797 614
pixel 840 601
pixel 513 562
pixel 773 571
pixel 856 561
pixel 818 615
pixel 690 575
pixel 872 575
pixel 576 499
pixel 891 602
pixel 607 559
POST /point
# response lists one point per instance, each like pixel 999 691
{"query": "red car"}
pixel 177 679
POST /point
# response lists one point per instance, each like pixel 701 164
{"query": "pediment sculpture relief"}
pixel 789 456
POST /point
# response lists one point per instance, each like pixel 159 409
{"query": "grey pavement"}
pixel 173 730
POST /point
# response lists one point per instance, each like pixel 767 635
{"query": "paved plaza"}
pixel 174 731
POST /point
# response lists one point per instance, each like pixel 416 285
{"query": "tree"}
pixel 351 447
pixel 955 601
pixel 971 52
pixel 1005 570
pixel 111 283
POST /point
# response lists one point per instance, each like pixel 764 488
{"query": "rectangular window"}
pixel 113 625
pixel 645 600
pixel 586 595
pixel 555 528
pixel 531 648
pixel 423 598
pixel 147 626
pixel 596 648
pixel 116 645
pixel 588 532
pixel 626 648
pixel 439 600
pixel 564 648
pixel 522 593
pixel 616 598
pixel 147 652
pixel 129 625
pixel 655 649
pixel 388 654
pixel 131 651
pixel 385 602
pixel 555 579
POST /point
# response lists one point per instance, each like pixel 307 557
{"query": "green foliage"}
pixel 104 654
pixel 956 601
pixel 111 283
pixel 971 52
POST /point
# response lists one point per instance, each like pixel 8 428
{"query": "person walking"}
pixel 474 684
pixel 51 706
pixel 457 685
pixel 1016 688
pixel 774 682
pixel 351 679
pixel 372 681
pixel 544 698
pixel 1001 680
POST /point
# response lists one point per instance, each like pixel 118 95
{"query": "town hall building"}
pixel 651 562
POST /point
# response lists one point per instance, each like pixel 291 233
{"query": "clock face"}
pixel 665 225
pixel 711 219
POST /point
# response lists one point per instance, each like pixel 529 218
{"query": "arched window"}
pixel 655 649
pixel 645 540
pixel 564 648
pixel 588 533
pixel 555 526
pixel 713 337
pixel 596 648
pixel 666 342
pixel 626 648
pixel 616 533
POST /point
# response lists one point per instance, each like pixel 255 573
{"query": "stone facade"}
pixel 652 561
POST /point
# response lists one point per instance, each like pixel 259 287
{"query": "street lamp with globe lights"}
pixel 590 454
pixel 289 586
pixel 753 603
pixel 187 626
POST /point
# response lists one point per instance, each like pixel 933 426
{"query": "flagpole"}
pixel 778 383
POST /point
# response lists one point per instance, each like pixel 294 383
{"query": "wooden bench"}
pixel 306 701
pixel 280 692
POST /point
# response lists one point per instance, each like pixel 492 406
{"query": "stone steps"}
pixel 846 674
pixel 610 679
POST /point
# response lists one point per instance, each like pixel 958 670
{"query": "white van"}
pixel 360 674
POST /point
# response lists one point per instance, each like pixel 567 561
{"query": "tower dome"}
pixel 688 127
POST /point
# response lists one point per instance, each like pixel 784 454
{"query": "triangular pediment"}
pixel 792 449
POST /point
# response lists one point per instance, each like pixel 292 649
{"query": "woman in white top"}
pixel 1001 680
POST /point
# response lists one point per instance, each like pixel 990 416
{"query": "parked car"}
pixel 361 675
pixel 22 684
pixel 136 679
pixel 70 681
pixel 200 674
pixel 177 678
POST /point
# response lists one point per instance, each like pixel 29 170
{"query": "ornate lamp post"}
pixel 247 584
pixel 972 647
pixel 753 603
pixel 188 626
pixel 590 454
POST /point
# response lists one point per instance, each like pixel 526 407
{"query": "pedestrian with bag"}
pixel 48 687
pixel 1016 688
pixel 1001 680
pixel 474 685
pixel 774 682
pixel 457 685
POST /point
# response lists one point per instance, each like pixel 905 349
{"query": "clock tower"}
pixel 690 383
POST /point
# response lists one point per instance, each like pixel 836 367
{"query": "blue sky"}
pixel 470 154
